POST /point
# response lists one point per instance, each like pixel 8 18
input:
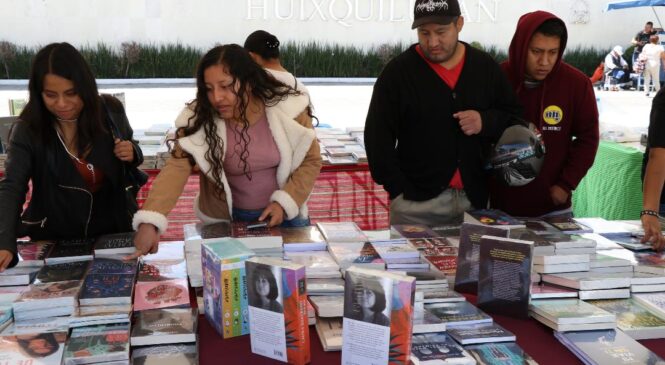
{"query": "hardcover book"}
pixel 114 244
pixel 303 239
pixel 161 294
pixel 225 286
pixel 70 251
pixel 438 348
pixel 14 350
pixel 378 314
pixel 95 344
pixel 32 254
pixel 278 321
pixel 504 279
pixel 164 326
pixel 466 276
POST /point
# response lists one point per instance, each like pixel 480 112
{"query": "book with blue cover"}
pixel 103 289
pixel 607 347
pixel 109 265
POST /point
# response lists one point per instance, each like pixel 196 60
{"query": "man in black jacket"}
pixel 435 110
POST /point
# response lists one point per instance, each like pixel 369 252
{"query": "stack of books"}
pixel 607 264
pixel 70 251
pixel 184 354
pixel 348 254
pixel 114 244
pixel 165 326
pixel 318 264
pixel 106 296
pixel 634 319
pixel 102 344
pixel 571 315
pixel 299 239
pixel 401 256
pixel 330 333
pixel 593 285
pixel 46 300
pixel 162 279
pixel 195 235
pixel 264 241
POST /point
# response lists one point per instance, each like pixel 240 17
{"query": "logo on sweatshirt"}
pixel 553 115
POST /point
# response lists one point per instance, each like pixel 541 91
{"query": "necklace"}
pixel 66 120
pixel 88 166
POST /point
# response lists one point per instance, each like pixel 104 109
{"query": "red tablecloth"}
pixel 536 339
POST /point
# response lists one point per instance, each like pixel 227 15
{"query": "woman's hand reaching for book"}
pixel 275 212
pixel 146 241
pixel 5 258
pixel 652 233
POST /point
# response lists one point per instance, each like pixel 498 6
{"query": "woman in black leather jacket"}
pixel 69 143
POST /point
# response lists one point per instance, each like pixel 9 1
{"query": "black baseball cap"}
pixel 435 11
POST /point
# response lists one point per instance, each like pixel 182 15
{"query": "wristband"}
pixel 648 212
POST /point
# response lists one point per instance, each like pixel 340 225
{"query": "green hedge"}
pixel 133 60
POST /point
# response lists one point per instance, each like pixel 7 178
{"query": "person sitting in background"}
pixel 654 176
pixel 597 75
pixel 652 53
pixel 251 138
pixel 64 144
pixel 264 49
pixel 616 69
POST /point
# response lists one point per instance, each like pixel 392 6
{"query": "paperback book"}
pixel 66 271
pixel 607 347
pixel 481 333
pixel 161 294
pixel 32 254
pixel 438 348
pixel 278 310
pixel 164 326
pixel 115 244
pixel 330 333
pixel 174 354
pixel 14 350
pixel 378 312
pixel 411 231
pixel 303 239
pixel 634 319
pixel 104 343
pixel 500 353
pixel 458 313
pixel 70 251
pixel 356 254
pixel 504 279
pixel 18 276
pixel 570 311
pixel 341 232
pixel 103 289
pixel 466 276
pixel 256 238
pixel 493 217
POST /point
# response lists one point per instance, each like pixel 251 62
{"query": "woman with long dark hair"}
pixel 251 138
pixel 64 144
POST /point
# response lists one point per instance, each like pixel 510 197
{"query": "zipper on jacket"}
pixel 89 210
pixel 41 223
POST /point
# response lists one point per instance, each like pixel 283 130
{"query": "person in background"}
pixel 252 141
pixel 264 49
pixel 64 144
pixel 642 38
pixel 435 110
pixel 616 69
pixel 560 101
pixel 653 53
pixel 654 176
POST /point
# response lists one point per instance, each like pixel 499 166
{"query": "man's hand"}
pixel 559 196
pixel 146 241
pixel 469 121
pixel 5 258
pixel 652 232
pixel 275 212
pixel 124 150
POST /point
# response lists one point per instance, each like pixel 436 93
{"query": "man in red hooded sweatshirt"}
pixel 559 100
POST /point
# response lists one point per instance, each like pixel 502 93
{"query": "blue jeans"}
pixel 245 215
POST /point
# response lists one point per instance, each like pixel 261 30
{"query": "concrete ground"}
pixel 338 105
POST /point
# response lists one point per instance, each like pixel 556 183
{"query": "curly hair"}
pixel 251 80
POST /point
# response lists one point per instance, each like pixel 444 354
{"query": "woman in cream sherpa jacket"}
pixel 246 91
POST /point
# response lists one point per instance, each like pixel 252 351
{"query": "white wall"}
pixel 203 23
